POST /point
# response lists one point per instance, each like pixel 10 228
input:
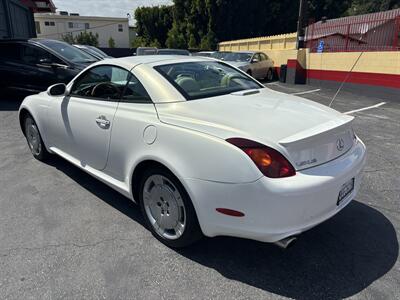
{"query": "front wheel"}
pixel 34 139
pixel 167 209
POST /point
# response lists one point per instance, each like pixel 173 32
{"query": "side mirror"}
pixel 58 89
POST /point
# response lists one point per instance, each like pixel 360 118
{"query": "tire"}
pixel 34 139
pixel 270 75
pixel 167 209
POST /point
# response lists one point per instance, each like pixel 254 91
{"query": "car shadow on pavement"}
pixel 97 188
pixel 335 260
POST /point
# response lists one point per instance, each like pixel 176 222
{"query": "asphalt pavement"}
pixel 63 234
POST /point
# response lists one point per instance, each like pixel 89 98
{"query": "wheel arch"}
pixel 23 113
pixel 149 162
pixel 145 164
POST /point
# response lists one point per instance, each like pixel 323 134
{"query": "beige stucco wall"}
pixel 386 62
pixel 279 48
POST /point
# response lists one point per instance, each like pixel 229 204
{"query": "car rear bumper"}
pixel 277 208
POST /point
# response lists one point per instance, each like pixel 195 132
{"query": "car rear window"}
pixel 203 79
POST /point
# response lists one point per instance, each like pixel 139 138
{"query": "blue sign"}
pixel 321 46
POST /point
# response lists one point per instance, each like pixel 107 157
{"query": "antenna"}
pixel 345 79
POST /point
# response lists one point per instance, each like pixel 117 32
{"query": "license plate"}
pixel 347 188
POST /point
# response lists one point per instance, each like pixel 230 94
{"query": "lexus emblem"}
pixel 340 144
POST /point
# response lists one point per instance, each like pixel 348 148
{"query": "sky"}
pixel 105 8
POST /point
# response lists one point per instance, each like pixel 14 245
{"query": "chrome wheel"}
pixel 164 207
pixel 33 137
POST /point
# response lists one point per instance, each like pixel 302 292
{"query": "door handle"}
pixel 103 122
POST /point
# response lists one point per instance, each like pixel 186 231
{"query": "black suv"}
pixel 31 66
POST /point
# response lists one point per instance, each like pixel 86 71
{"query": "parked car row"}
pixel 31 66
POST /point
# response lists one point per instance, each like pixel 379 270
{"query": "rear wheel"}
pixel 270 75
pixel 34 139
pixel 167 209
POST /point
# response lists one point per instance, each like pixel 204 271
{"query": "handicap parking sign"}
pixel 321 45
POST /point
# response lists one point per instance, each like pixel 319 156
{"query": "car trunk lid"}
pixel 307 133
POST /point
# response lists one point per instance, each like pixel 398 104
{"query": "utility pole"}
pixel 300 25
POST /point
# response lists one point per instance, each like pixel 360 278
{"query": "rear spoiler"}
pixel 343 121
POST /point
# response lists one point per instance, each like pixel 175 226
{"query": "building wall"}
pixel 381 68
pixel 58 25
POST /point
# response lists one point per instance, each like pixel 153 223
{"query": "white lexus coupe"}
pixel 202 147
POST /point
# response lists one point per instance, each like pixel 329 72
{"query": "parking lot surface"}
pixel 64 234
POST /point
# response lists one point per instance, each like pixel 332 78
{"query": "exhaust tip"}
pixel 286 242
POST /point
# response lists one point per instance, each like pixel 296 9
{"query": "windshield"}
pixel 195 80
pixel 69 52
pixel 244 57
pixel 219 55
pixel 98 51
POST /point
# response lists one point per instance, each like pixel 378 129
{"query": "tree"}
pixel 68 38
pixel 111 42
pixel 85 38
pixel 368 6
pixel 203 23
pixel 176 39
pixel 139 42
pixel 153 24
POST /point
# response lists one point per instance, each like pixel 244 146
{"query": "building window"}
pixel 78 25
pixel 47 23
pixel 120 28
pixel 37 25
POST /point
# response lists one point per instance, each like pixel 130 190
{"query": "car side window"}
pixel 257 56
pixel 263 56
pixel 101 83
pixel 34 55
pixel 135 92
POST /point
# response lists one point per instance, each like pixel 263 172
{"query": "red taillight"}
pixel 270 162
pixel 230 212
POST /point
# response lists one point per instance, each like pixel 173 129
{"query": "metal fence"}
pixel 373 32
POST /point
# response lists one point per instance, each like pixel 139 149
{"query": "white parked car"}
pixel 202 147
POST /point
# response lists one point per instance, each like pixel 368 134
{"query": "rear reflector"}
pixel 230 212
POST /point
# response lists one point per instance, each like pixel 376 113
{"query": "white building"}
pixel 54 26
